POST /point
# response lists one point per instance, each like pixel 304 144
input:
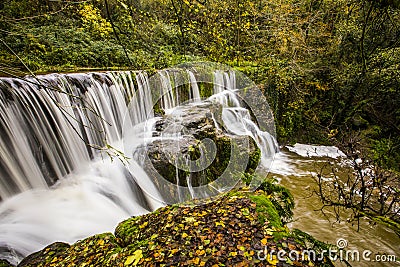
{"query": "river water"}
pixel 295 168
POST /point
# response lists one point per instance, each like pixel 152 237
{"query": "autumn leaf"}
pixel 245 212
pixel 273 260
pixel 134 259
pixel 196 261
pixel 200 252
pixel 220 224
pixel 190 219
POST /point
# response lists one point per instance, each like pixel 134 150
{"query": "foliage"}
pixel 280 197
pixel 329 69
pixel 93 22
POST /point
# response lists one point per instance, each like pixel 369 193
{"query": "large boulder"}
pixel 192 147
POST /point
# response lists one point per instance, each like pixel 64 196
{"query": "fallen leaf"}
pixel 135 258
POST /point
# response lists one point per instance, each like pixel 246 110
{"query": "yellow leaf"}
pixel 190 219
pixel 220 223
pixel 143 225
pixel 272 260
pixel 154 236
pixel 184 235
pixel 173 251
pixel 134 259
pixel 264 241
pixel 200 252
pixel 269 232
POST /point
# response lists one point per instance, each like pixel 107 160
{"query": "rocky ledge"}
pixel 236 229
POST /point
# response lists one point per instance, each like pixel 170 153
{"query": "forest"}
pixel 329 68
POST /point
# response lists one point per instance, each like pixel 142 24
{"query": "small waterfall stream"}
pixel 58 132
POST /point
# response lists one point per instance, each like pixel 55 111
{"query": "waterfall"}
pixel 52 124
pixel 53 129
pixel 58 132
pixel 238 119
pixel 195 93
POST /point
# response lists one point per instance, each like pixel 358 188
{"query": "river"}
pixel 295 170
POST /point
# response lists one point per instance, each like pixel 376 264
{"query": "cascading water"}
pixel 57 181
pixel 238 119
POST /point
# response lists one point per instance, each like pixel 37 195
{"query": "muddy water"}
pixel 296 173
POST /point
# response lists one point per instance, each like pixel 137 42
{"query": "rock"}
pixel 92 251
pixel 45 255
pixel 5 263
pixel 193 138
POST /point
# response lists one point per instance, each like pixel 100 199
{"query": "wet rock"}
pixel 191 145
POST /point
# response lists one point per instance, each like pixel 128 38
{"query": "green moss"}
pixel 281 198
pixel 395 226
pixel 4 263
pixel 303 237
pixel 266 210
pixel 312 244
pixel 254 159
pixel 206 89
pixel 127 231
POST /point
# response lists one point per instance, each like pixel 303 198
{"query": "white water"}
pixel 316 151
pixel 80 205
pixel 56 188
pixel 194 92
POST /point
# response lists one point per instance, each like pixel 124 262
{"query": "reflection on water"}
pixel 296 173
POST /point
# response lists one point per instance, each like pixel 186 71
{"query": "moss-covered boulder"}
pixel 192 145
pixel 234 230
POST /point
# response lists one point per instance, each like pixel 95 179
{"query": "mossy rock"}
pixel 48 254
pixel 228 156
pixel 93 251
pixel 4 263
pixel 229 231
